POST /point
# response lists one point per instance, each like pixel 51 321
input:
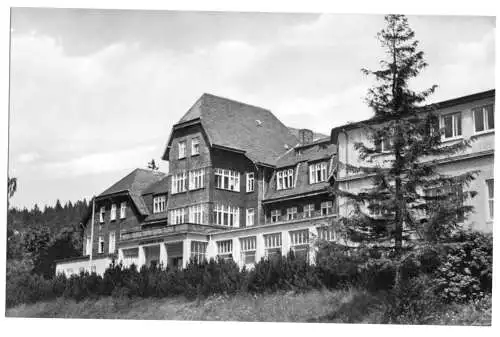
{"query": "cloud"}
pixel 26 158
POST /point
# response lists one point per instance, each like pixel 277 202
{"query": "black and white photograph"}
pixel 250 166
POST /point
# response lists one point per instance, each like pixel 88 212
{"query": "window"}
pixel 225 249
pixel 484 118
pixel 227 179
pixel 326 233
pixel 326 207
pixel 309 210
pixel 300 242
pixel 112 242
pixel 177 216
pixel 291 213
pixel 196 214
pixel 130 255
pixel 376 208
pixel 101 214
pixel 228 216
pixel 198 250
pixel 250 217
pixel 451 195
pixel 452 124
pixel 491 194
pixel 88 246
pixel 113 212
pixel 284 179
pixel 195 146
pixel 250 182
pixel 196 179
pixel 248 247
pixel 101 244
pixel 384 145
pixel 182 149
pixel 317 172
pixel 179 182
pixel 123 210
pixel 159 204
pixel 275 215
pixel 272 244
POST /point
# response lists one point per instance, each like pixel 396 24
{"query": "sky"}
pixel 94 93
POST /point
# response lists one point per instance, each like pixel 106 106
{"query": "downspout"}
pixel 92 235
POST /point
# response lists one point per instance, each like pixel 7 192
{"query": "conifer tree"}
pixel 408 194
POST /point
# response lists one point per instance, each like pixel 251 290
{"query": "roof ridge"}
pixel 235 101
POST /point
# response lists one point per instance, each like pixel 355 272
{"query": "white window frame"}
pixel 285 179
pixel 248 248
pixel 112 242
pixel 100 247
pixel 195 146
pixel 227 179
pixel 250 182
pixel 196 179
pixel 226 215
pixel 250 217
pixel 199 250
pixel 455 116
pixel 159 203
pixel 328 205
pixel 102 211
pixel 182 149
pixel 275 213
pixel 196 214
pixel 225 248
pixel 291 213
pixel 113 212
pixel 318 172
pixel 309 210
pixel 299 237
pixel 273 243
pixel 177 216
pixel 179 182
pixel 326 233
pixel 484 112
pixel 123 209
pixel 490 195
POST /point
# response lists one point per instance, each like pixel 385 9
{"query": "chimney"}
pixel 305 136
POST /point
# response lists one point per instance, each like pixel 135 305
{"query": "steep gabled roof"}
pixel 135 182
pixel 242 127
pixel 316 135
pixel 159 187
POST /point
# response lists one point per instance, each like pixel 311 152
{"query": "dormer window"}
pixel 159 203
pixel 317 172
pixel 284 179
pixel 182 149
pixel 195 146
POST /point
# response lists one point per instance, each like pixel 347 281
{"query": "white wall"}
pixel 74 267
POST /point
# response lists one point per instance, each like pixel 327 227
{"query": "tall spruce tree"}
pixel 408 195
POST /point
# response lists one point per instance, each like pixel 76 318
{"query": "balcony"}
pixel 315 215
pixel 147 233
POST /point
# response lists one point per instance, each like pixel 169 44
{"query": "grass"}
pixel 341 306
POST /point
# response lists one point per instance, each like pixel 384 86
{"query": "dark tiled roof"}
pixel 156 217
pixel 160 187
pixel 316 135
pixel 243 127
pixel 312 152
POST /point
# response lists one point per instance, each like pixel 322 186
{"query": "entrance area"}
pixel 174 254
pixel 152 255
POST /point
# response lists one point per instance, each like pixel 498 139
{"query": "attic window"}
pixel 259 122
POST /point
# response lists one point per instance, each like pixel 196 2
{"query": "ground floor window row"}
pixel 308 210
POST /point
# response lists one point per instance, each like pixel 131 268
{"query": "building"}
pixel 242 185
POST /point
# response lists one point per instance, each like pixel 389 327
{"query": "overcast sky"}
pixel 94 93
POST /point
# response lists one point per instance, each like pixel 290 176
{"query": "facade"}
pixel 242 185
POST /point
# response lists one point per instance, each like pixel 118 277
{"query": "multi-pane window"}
pixel 484 118
pixel 225 249
pixel 196 214
pixel 182 149
pixel 326 233
pixel 248 247
pixel 384 145
pixel 291 213
pixel 452 124
pixel 177 216
pixel 326 207
pixel 179 182
pixel 100 247
pixel 198 250
pixel 113 212
pixel 284 179
pixel 112 242
pixel 123 210
pixel 450 195
pixel 309 210
pixel 272 244
pixel 88 245
pixel 195 146
pixel 225 215
pixel 317 172
pixel 300 242
pixel 275 215
pixel 159 203
pixel 196 179
pixel 130 255
pixel 250 217
pixel 227 179
pixel 250 182
pixel 491 197
pixel 101 214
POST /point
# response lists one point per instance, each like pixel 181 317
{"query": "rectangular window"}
pixel 491 198
pixel 182 149
pixel 101 214
pixel 113 212
pixel 484 118
pixel 227 179
pixel 112 242
pixel 452 124
pixel 275 215
pixel 450 195
pixel 248 247
pixel 198 251
pixel 284 179
pixel 272 244
pixel 250 182
pixel 196 179
pixel 309 210
pixel 196 214
pixel 179 182
pixel 123 210
pixel 225 249
pixel 101 244
pixel 225 215
pixel 291 213
pixel 250 217
pixel 130 256
pixel 300 242
pixel 317 172
pixel 195 146
pixel 327 207
pixel 177 216
pixel 326 233
pixel 159 203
